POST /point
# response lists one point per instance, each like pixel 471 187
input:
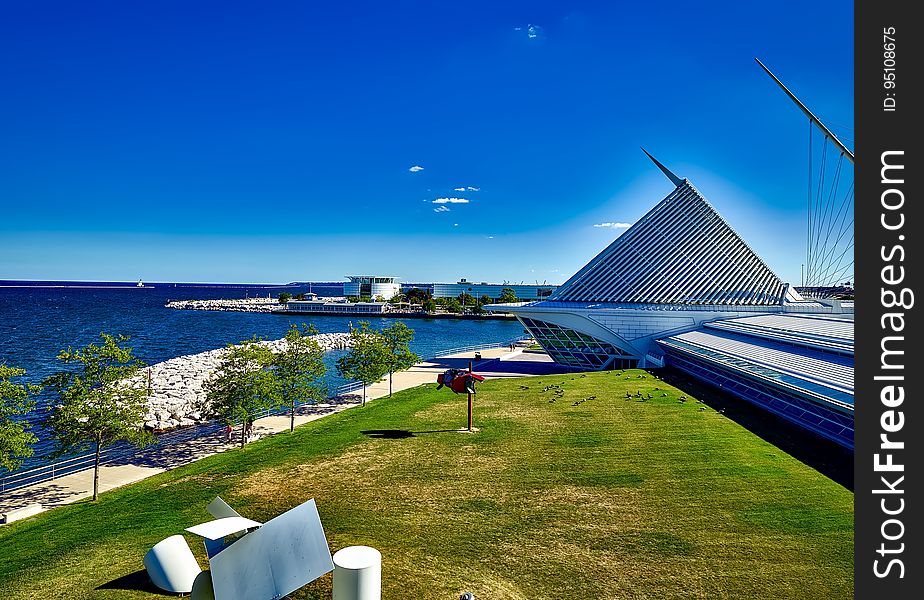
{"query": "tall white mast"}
pixel 821 126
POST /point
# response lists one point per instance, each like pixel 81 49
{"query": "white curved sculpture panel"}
pixel 171 565
pixel 286 553
pixel 202 587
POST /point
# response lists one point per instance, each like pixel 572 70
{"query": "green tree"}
pixel 453 305
pixel 467 300
pixel 284 297
pixel 398 355
pixel 485 299
pixel 429 305
pixel 365 362
pixel 418 296
pixel 15 401
pixel 299 369
pixel 508 296
pixel 97 404
pixel 243 385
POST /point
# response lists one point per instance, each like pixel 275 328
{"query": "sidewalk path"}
pixel 494 363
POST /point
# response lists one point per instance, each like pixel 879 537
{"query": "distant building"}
pixel 372 286
pixel 491 290
pixel 325 306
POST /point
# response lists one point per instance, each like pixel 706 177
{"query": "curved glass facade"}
pixel 576 349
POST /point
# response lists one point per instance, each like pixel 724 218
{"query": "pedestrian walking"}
pixel 228 434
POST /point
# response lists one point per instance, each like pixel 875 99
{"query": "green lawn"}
pixel 555 497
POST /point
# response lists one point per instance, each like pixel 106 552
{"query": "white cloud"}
pixel 467 188
pixel 461 189
pixel 455 224
pixel 473 189
pixel 441 209
pixel 533 31
pixel 416 168
pixel 613 225
pixel 450 201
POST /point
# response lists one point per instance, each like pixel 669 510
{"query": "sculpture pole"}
pixel 470 400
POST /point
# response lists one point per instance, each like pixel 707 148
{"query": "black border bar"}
pixel 888 225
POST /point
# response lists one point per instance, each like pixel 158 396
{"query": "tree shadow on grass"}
pixel 136 582
pixel 826 457
pixel 387 434
pixel 400 434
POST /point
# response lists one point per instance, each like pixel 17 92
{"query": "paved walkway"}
pixel 494 363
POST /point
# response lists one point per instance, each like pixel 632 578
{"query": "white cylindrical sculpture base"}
pixel 358 574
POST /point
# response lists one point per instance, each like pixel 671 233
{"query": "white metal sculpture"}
pixel 249 560
pixel 171 565
pixel 286 553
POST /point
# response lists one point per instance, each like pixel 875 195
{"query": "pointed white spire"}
pixel 677 181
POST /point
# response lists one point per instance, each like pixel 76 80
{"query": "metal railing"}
pixel 462 349
pixel 123 451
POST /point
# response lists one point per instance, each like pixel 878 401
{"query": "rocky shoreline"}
pixel 254 305
pixel 177 386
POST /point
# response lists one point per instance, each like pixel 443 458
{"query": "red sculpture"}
pixel 459 381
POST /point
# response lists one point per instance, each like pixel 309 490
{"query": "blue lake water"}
pixel 37 323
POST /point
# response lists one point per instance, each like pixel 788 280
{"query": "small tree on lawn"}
pixel 398 355
pixel 365 362
pixel 96 404
pixel 243 385
pixel 507 296
pixel 15 401
pixel 299 368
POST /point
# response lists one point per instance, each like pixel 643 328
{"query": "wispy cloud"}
pixel 613 225
pixel 455 224
pixel 441 209
pixel 416 168
pixel 467 188
pixel 532 31
pixel 450 201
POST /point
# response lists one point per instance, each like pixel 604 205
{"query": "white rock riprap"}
pixel 177 386
pixel 259 305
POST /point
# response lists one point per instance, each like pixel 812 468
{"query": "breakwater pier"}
pixel 176 387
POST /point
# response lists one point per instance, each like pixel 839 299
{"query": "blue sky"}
pixel 274 141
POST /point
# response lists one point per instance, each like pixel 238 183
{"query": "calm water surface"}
pixel 37 323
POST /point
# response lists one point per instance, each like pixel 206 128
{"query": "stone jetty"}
pixel 177 386
pixel 256 305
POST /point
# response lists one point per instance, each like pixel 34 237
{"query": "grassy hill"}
pixel 571 491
